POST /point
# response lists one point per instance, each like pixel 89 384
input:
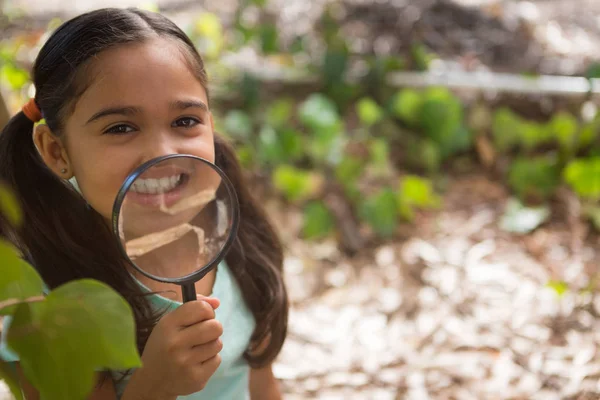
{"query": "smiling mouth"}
pixel 159 185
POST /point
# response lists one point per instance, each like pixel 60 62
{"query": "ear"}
pixel 52 151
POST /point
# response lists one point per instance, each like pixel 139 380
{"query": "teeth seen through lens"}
pixel 153 186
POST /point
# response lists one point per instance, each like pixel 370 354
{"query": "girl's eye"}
pixel 186 122
pixel 119 129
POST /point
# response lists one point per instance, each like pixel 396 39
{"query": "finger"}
pixel 210 366
pixel 193 312
pixel 213 301
pixel 206 351
pixel 201 333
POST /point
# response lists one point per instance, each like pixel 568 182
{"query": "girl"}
pixel 117 87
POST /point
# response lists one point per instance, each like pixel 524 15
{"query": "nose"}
pixel 157 144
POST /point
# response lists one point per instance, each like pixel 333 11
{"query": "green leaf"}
pixel 421 56
pixel 9 206
pixel 380 157
pixel 349 169
pixel 294 183
pixel 518 218
pixel 238 124
pixel 327 146
pixel 533 134
pixel 269 39
pixel 319 113
pixel 82 327
pixel 593 71
pixel 442 120
pixel 564 128
pixel 10 378
pixel 18 280
pixel 583 175
pixel 534 178
pixel 380 212
pixel 368 111
pixel 335 62
pixel 250 91
pixel 318 221
pixel 245 154
pixel 415 192
pixel 13 76
pixel 279 113
pixel 277 147
pixel 506 128
pixel 406 105
pixel 559 287
pixel 589 133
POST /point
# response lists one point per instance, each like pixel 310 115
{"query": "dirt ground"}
pixel 459 310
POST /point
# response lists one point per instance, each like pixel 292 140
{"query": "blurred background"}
pixel 433 167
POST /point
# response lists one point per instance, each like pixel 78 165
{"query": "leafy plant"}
pixel 63 337
pixel 380 212
pixel 415 193
pixel 296 184
pixel 369 111
pixel 534 178
pixel 583 175
pixel 318 221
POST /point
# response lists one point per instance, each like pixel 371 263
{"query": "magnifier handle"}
pixel 188 291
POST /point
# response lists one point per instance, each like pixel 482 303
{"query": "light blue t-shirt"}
pixel 230 381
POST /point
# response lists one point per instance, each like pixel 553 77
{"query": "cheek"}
pixel 99 179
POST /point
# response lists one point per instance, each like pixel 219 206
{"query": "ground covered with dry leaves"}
pixel 457 309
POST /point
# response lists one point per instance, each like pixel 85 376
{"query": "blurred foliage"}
pixel 361 135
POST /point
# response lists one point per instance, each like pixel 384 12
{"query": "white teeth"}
pixel 154 186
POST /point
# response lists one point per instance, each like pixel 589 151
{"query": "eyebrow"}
pixel 132 110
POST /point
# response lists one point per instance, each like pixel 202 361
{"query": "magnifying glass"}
pixel 175 218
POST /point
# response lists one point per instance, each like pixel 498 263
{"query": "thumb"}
pixel 213 301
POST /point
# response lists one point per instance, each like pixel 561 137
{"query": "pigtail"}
pixel 256 260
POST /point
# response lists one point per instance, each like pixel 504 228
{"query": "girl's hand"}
pixel 181 354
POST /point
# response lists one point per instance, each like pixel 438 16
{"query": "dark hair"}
pixel 66 240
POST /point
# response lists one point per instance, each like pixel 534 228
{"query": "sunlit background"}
pixel 433 167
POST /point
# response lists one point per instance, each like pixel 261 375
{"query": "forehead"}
pixel 139 73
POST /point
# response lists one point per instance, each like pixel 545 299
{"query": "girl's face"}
pixel 143 102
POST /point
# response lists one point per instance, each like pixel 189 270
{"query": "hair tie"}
pixel 32 111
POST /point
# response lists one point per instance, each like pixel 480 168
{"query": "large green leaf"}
pixel 82 327
pixel 380 212
pixel 318 221
pixel 9 206
pixel 534 178
pixel 18 279
pixel 583 175
pixel 11 380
